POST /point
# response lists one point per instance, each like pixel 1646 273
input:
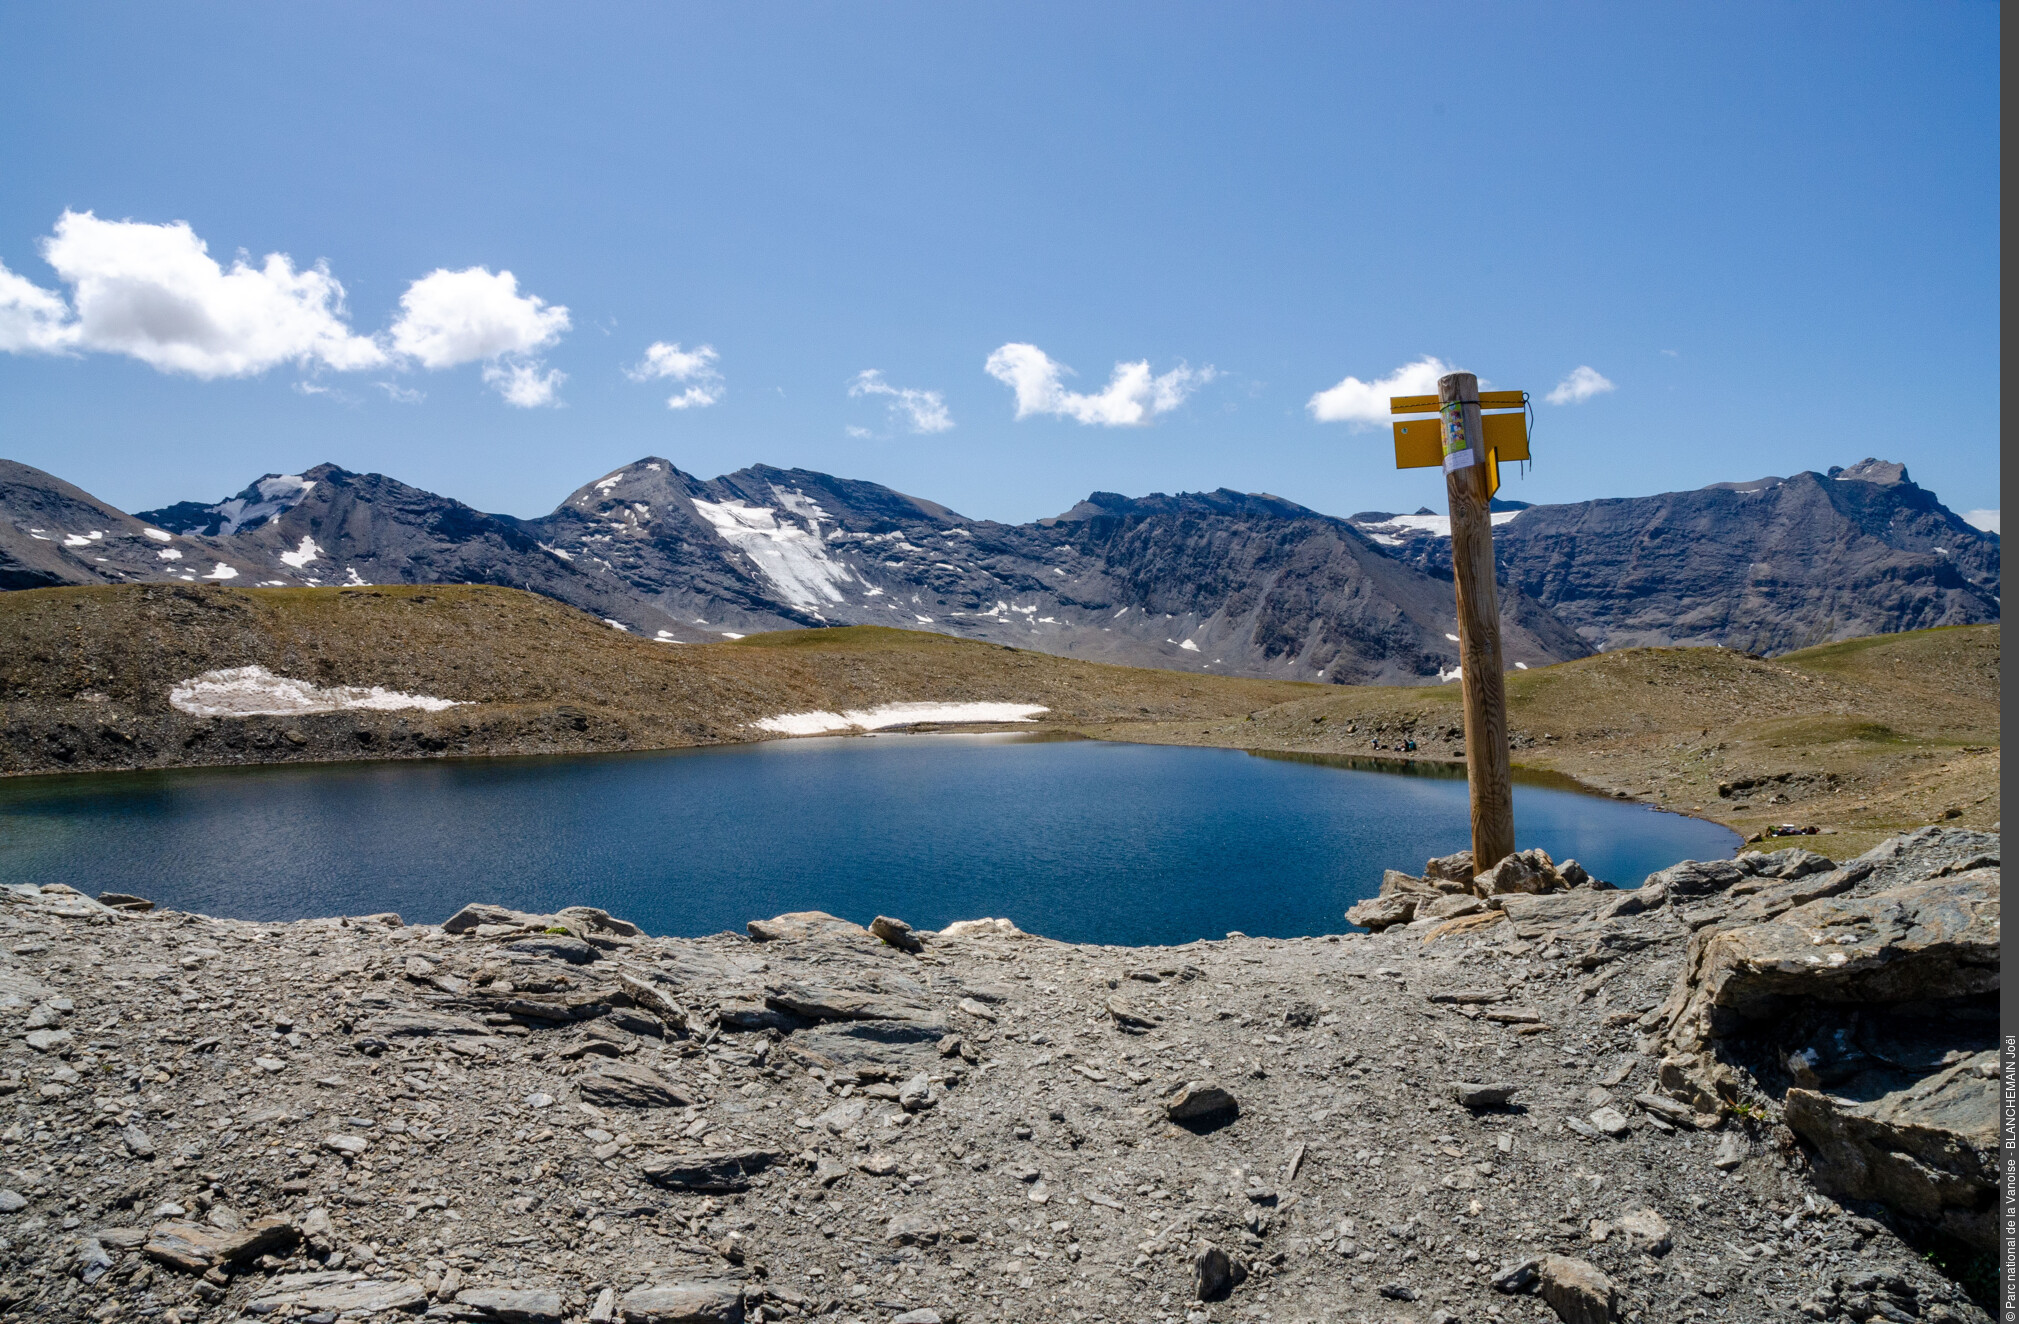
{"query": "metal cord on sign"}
pixel 1528 404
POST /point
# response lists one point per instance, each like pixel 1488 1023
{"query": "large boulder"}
pixel 1928 940
pixel 1927 851
pixel 1927 1150
pixel 333 1293
pixel 1394 882
pixel 599 921
pixel 897 933
pixel 1382 912
pixel 1456 867
pixel 1861 999
pixel 522 1305
pixel 1528 871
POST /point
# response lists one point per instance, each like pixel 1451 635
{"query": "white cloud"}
pixel 860 434
pixel 401 395
pixel 454 317
pixel 922 411
pixel 1366 403
pixel 523 382
pixel 1582 384
pixel 154 293
pixel 695 397
pixel 1132 396
pixel 665 360
pixel 1986 520
pixel 32 319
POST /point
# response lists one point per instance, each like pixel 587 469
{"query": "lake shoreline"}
pixel 1082 840
pixel 259 748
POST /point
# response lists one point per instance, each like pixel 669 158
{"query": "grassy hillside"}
pixel 85 675
pixel 1863 738
pixel 1860 738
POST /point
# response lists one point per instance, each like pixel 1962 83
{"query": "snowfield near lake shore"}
pixel 897 714
pixel 257 692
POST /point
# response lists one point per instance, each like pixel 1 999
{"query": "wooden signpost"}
pixel 1470 444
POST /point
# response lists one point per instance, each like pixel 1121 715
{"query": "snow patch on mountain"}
pixel 897 714
pixel 257 692
pixel 272 495
pixel 303 554
pixel 798 503
pixel 1391 531
pixel 793 558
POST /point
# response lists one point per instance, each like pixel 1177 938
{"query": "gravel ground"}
pixel 555 1117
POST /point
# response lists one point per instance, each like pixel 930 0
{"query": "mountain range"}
pixel 1224 582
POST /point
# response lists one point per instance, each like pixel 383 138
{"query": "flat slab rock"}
pixel 194 1247
pixel 629 1085
pixel 540 1305
pixel 683 1303
pixel 708 1172
pixel 340 1293
pixel 844 1004
pixel 864 1048
pixel 802 925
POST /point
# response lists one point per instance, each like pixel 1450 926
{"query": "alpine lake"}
pixel 1080 840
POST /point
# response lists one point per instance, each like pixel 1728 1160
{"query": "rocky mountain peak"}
pixel 263 499
pixel 1868 470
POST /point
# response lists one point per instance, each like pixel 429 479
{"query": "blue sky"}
pixel 1772 238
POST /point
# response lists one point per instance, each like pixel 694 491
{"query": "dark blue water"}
pixel 1081 840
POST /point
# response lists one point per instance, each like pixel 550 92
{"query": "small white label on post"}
pixel 1458 452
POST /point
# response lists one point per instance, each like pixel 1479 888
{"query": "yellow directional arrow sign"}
pixel 1419 442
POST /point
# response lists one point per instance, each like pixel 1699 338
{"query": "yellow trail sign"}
pixel 1427 404
pixel 1419 442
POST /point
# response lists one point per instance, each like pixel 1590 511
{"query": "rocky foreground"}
pixel 1728 1094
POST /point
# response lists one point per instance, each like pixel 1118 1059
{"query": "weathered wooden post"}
pixel 1485 692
